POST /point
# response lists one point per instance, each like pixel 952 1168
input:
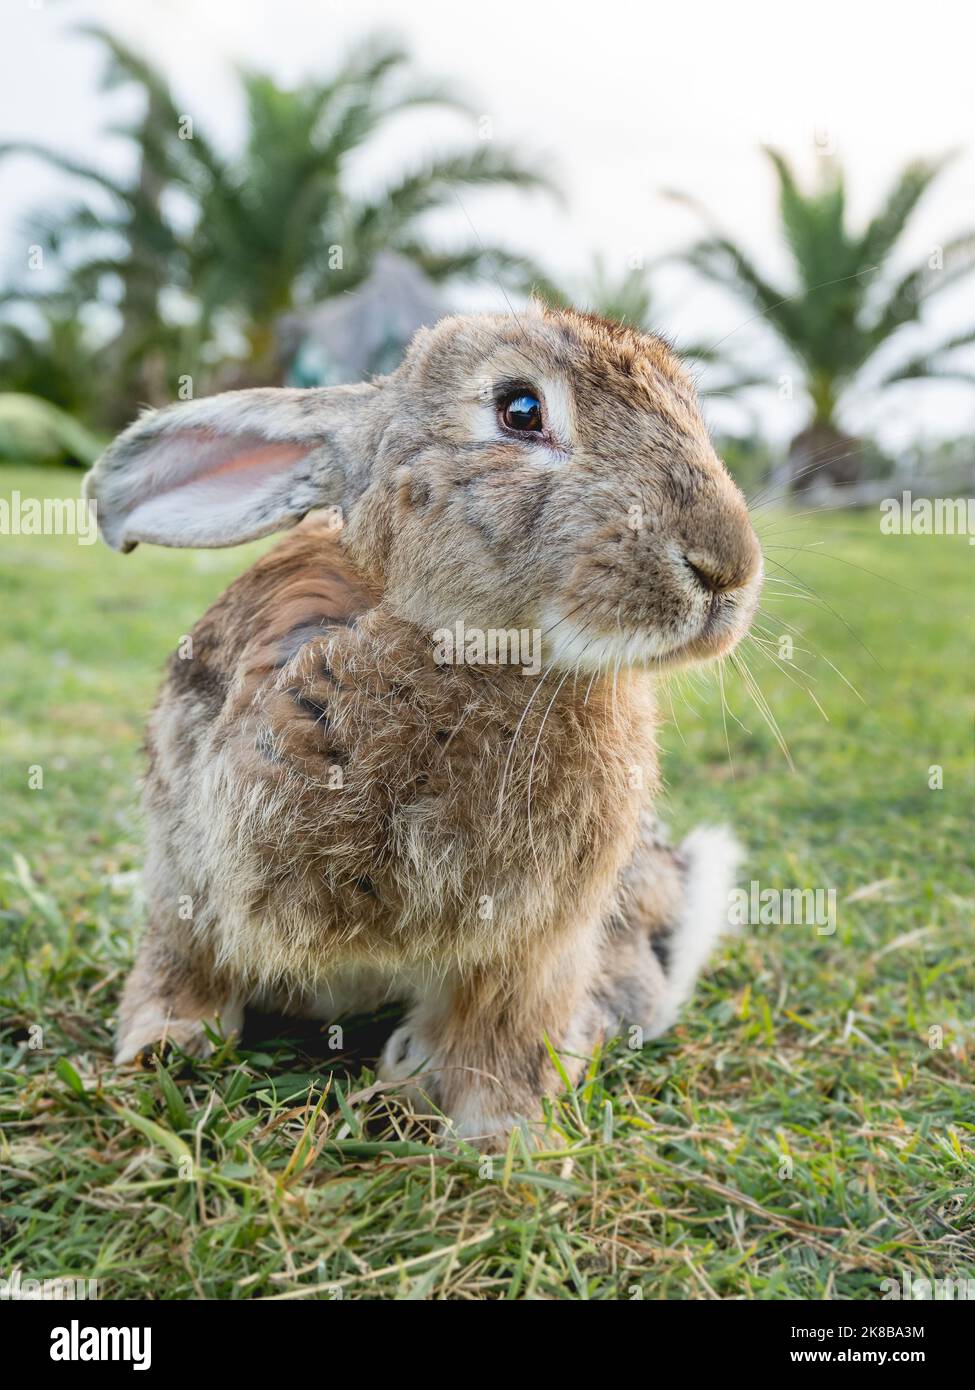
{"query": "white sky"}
pixel 618 99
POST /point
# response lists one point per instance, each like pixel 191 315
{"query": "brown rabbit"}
pixel 411 753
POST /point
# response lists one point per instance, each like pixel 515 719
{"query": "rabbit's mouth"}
pixel 725 621
pixel 722 630
pixel 710 628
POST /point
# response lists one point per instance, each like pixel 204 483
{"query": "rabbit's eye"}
pixel 522 411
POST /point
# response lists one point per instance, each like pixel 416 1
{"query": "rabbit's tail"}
pixel 674 905
pixel 709 857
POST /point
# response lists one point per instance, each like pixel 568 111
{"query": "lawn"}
pixel 806 1131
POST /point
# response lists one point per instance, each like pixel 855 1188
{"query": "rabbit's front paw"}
pixel 152 1032
pixel 409 1057
pixel 472 1110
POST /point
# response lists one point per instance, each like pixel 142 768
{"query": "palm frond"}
pixel 906 296
pixel 66 165
pixel 834 325
pixel 720 260
pixel 886 228
pixel 932 363
pixel 125 64
pixel 436 184
pixel 486 264
pixel 813 223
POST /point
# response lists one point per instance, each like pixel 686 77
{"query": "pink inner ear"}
pixel 266 458
pixel 203 488
pixel 193 456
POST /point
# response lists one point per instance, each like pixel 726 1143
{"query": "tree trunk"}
pixel 822 455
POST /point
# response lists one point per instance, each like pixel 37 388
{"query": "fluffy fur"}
pixel 334 817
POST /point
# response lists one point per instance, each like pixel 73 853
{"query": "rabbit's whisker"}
pixel 826 555
pixel 764 707
pixel 766 651
pixel 828 606
pixel 815 652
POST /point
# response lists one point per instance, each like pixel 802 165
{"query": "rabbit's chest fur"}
pixel 351 802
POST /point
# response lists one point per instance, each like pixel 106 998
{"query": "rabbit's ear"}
pixel 232 467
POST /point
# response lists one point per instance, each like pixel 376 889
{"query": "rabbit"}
pixel 338 811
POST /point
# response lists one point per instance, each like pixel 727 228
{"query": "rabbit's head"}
pixel 547 470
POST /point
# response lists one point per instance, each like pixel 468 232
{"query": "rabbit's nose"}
pixel 719 572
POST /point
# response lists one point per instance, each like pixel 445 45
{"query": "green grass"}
pixel 272 1171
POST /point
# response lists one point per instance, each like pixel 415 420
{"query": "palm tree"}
pixel 840 307
pixel 266 230
pixel 278 231
pixel 120 251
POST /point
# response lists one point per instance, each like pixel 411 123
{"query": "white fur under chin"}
pixel 713 855
pixel 569 644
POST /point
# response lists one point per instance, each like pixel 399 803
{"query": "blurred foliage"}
pixel 749 459
pixel 949 461
pixel 760 469
pixel 200 252
pixel 626 297
pixel 841 306
pixel 185 267
pixel 57 360
pixel 33 430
